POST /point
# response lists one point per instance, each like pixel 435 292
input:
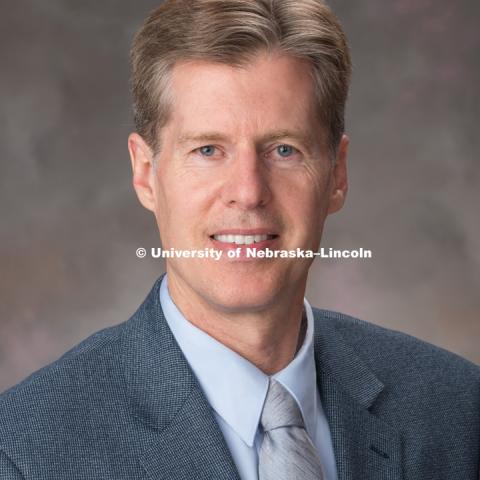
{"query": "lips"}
pixel 238 239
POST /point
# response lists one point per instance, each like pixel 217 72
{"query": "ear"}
pixel 141 157
pixel 339 177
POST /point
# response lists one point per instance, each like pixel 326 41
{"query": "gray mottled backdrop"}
pixel 71 223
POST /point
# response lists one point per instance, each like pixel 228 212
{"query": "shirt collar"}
pixel 299 377
pixel 235 388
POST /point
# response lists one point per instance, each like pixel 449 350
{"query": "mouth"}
pixel 243 239
pixel 244 242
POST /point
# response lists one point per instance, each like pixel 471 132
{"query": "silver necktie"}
pixel 286 453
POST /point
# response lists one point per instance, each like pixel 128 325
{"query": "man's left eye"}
pixel 285 150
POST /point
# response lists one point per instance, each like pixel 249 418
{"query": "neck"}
pixel 268 337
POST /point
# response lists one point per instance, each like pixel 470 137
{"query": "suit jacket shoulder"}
pixel 393 353
pixel 122 405
pixel 58 408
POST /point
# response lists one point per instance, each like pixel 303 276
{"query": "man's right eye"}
pixel 207 150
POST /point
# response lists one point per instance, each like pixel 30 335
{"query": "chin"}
pixel 243 298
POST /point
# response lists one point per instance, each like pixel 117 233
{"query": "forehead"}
pixel 271 90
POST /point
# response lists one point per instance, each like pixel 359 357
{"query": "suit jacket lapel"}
pixel 179 436
pixel 190 447
pixel 364 446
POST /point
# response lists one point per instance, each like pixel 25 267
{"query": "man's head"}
pixel 239 110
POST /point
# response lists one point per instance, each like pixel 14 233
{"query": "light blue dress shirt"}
pixel 236 389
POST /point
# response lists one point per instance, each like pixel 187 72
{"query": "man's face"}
pixel 243 159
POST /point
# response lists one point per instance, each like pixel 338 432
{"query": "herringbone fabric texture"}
pixel 286 453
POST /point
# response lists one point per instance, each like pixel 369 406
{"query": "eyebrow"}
pixel 201 137
pixel 209 137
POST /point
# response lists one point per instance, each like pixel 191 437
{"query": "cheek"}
pixel 182 203
pixel 303 195
pixel 167 206
pixel 305 204
pixel 319 183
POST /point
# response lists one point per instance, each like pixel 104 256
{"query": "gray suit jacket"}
pixel 124 405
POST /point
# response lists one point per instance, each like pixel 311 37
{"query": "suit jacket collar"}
pixel 335 358
pixel 181 437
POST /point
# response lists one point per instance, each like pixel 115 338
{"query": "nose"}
pixel 247 182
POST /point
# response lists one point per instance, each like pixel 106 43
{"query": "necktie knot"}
pixel 280 409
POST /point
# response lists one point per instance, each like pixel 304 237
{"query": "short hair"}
pixel 232 32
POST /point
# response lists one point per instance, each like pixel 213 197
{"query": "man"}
pixel 225 371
